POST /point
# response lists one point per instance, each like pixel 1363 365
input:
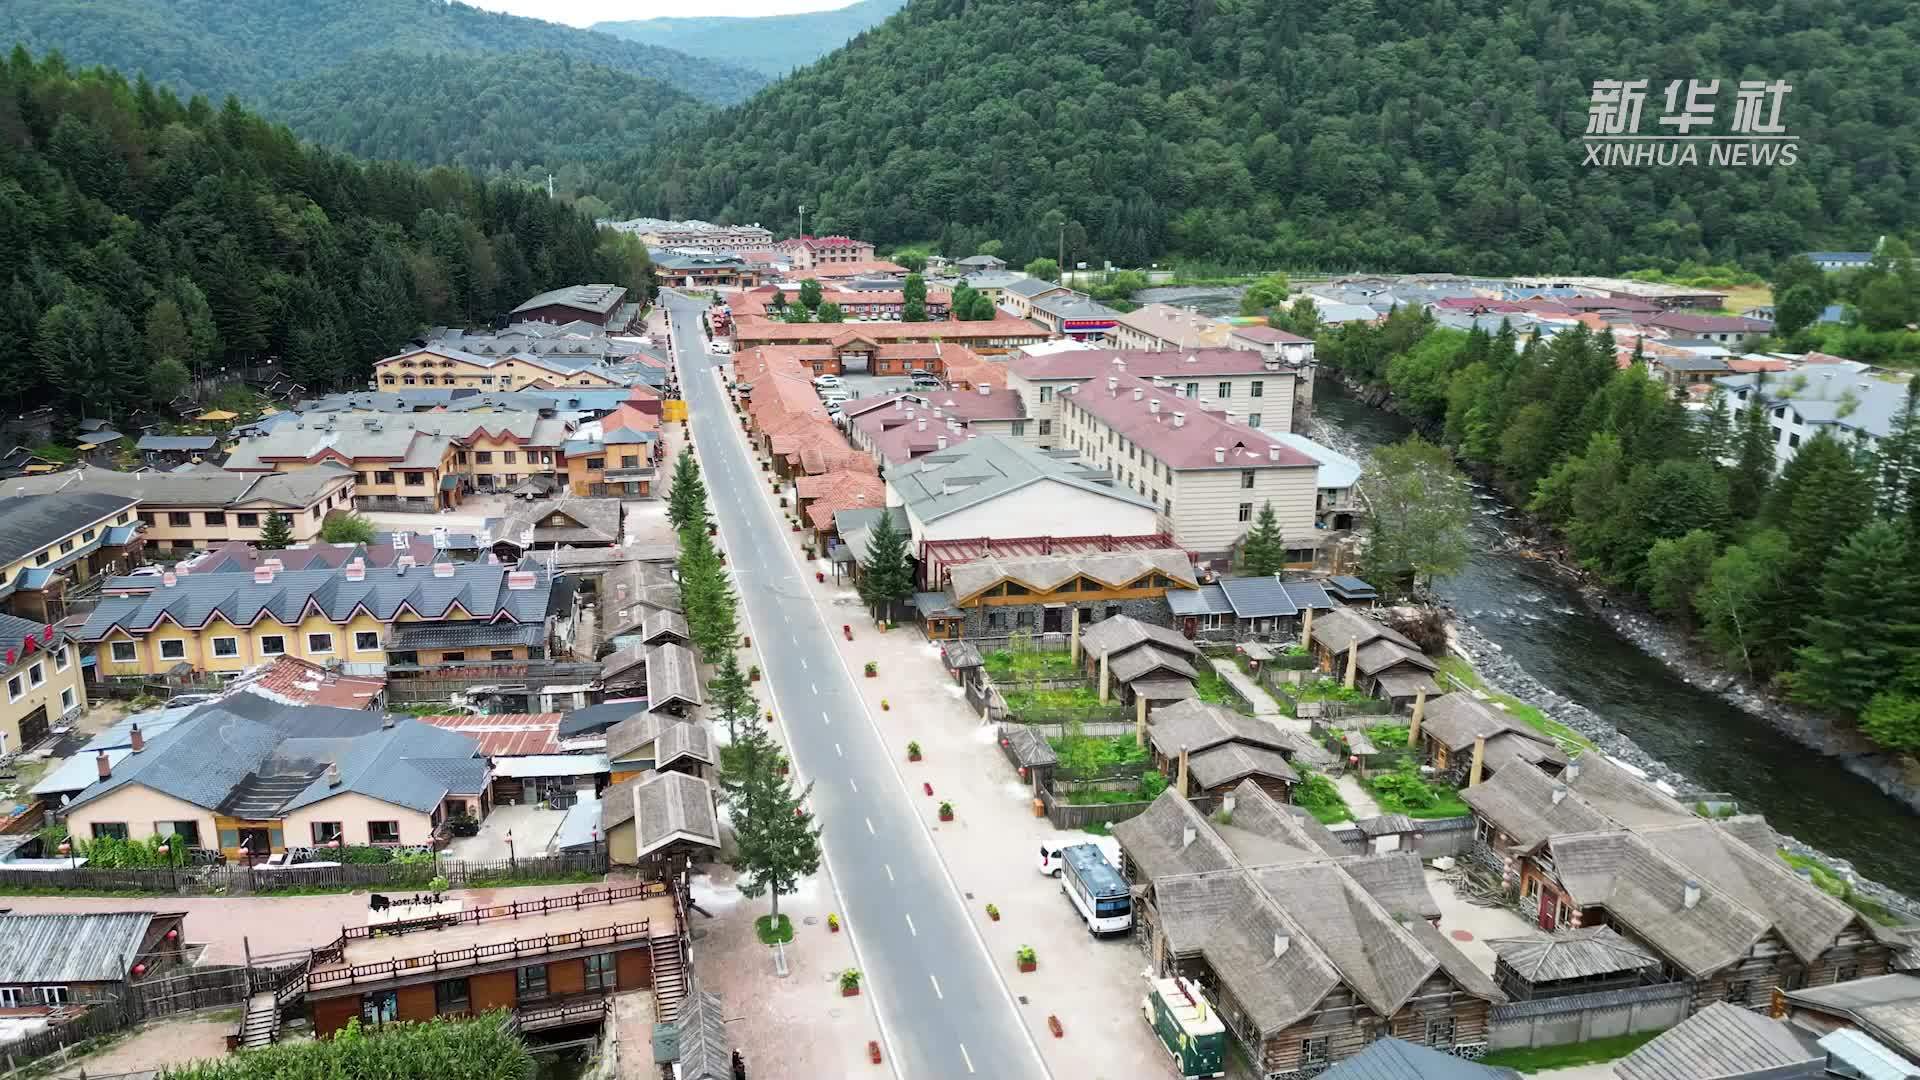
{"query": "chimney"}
pixel 263 575
pixel 105 766
pixel 1153 407
pixel 1183 770
pixel 180 571
pixel 986 389
pixel 1120 364
pixel 1306 635
pixel 521 580
pixel 168 579
pixel 1179 419
pixel 443 569
pixel 940 442
pixel 1690 897
pixel 135 740
pixel 1219 455
pixel 1139 393
pixel 1140 720
pixel 1187 837
pixel 1105 674
pixel 1559 794
pixel 333 775
pixel 1227 803
pixel 357 570
pixel 920 424
pixel 386 721
pixel 274 564
pixel 1479 768
pixel 1113 385
pixel 1571 772
pixel 1273 453
pixel 1419 710
pixel 1281 943
pixel 1353 663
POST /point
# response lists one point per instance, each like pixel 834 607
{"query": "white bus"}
pixel 1096 889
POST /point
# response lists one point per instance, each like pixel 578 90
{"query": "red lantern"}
pixel 139 970
pixel 173 934
pixel 46 634
pixel 11 654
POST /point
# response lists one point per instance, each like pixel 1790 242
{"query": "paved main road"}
pixel 944 1009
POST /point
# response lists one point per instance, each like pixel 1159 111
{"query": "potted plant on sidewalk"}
pixel 946 811
pixel 872 668
pixel 850 983
pixel 993 913
pixel 1025 958
pixel 833 922
pixel 913 750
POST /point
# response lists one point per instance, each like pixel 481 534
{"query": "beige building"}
pixel 41 675
pixel 1208 475
pixel 211 505
pixel 439 365
pixel 1244 385
pixel 1163 328
pixel 53 541
pixel 991 487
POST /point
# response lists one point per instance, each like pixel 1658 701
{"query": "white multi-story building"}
pixel 1844 397
pixel 1248 386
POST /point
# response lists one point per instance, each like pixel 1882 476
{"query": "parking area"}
pixel 531 829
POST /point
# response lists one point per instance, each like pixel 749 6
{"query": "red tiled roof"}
pixel 751 332
pixel 844 489
pixel 1094 363
pixel 866 268
pixel 507 734
pixel 816 243
pixel 1741 365
pixel 1267 335
pixel 629 418
pixel 295 681
pixel 1708 324
pixel 1180 434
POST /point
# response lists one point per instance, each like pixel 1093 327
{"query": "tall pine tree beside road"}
pixel 886 577
pixel 687 494
pixel 776 842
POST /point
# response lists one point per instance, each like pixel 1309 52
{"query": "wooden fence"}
pixel 1065 815
pixel 203 988
pixel 230 879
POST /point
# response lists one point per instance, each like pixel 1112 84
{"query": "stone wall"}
pixel 1152 610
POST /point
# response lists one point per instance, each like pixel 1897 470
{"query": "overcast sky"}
pixel 587 12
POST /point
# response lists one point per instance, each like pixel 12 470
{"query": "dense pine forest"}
pixel 770 44
pixel 149 239
pixel 1807 578
pixel 1433 135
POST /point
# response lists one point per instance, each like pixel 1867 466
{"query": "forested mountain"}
pixel 770 44
pixel 1436 134
pixel 147 239
pixel 249 47
pixel 513 112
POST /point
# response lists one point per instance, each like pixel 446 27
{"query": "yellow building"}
pixel 441 366
pixel 51 541
pixel 413 461
pixel 211 505
pixel 42 683
pixel 359 617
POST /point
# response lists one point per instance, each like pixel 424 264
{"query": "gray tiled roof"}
pixel 1123 632
pixel 1146 660
pixel 1198 725
pixel 1229 762
pixel 664 807
pixel 1455 720
pixel 1396 1059
pixel 1341 627
pixel 1205 600
pixel 976 471
pixel 588 520
pixel 1045 573
pixel 1724 1041
pixel 1031 287
pixel 480 589
pixel 599 299
pixel 1571 954
pixel 661 626
pixel 31 522
pixel 205 485
pixel 60 948
pixel 464 634
pixel 672 675
pixel 176 442
pixel 1886 1006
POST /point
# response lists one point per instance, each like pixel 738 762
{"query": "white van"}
pixel 721 346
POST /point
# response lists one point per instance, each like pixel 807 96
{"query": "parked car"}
pixel 833 397
pixel 924 381
pixel 823 382
pixel 722 347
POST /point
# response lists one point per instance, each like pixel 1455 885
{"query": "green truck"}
pixel 1188 1026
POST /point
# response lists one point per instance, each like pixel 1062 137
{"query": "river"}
pixel 1542 623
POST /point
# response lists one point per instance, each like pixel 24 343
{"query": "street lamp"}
pixel 510 858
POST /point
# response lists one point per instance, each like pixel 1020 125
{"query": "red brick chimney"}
pixel 105 766
pixel 136 740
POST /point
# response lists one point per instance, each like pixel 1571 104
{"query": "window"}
pixel 1246 480
pixel 1246 511
pixel 115 829
pixel 1313 1051
pixel 314 513
pixel 319 643
pixel 326 832
pixel 511 457
pixel 996 620
pixel 1256 388
pixel 1192 390
pixel 600 974
pixel 383 832
pixel 1226 390
pixel 178 518
pixel 1019 428
pixel 450 996
pixel 596 463
pixel 530 982
pixel 41 559
pixel 16 688
pixel 1440 1031
pixel 216 517
pixel 226 646
pixel 483 457
pixel 146 519
pixel 123 652
pixel 247 521
pixel 273 645
pixel 1046 394
pixel 1737 991
pixel 502 654
pixel 173 649
pixel 453 657
pixel 187 832
pixel 382 477
pixel 1846 972
pixel 1023 620
pixel 415 479
pixel 87 535
pixel 66 545
pixel 1253 419
pixel 381 1006
pixel 366 640
pixel 67 700
pixel 50 995
pixel 36 674
pixel 1793 440
pixel 629 461
pixel 1046 427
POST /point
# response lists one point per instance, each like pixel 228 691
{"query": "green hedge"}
pixel 442 1049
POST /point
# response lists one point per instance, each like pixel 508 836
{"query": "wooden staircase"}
pixel 669 978
pixel 262 1024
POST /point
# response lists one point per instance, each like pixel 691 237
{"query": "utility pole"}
pixel 549 185
pixel 1061 262
pixel 803 219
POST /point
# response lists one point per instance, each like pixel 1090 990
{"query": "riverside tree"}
pixel 1418 527
pixel 1264 552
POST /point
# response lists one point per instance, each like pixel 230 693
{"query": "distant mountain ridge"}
pixel 250 47
pixel 769 44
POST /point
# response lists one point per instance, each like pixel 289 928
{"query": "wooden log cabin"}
pixel 1224 749
pixel 1307 960
pixel 1600 846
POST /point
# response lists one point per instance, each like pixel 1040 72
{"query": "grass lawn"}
pixel 1100 751
pixel 1210 686
pixel 1742 297
pixel 1070 697
pixel 1005 664
pixel 1317 796
pixel 772 934
pixel 1539 1058
pixel 1407 792
pixel 1835 886
pixel 1569 739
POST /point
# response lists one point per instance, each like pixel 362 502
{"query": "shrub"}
pixel 1025 954
pixel 1317 795
pixel 482 1048
pixel 1152 783
pixel 850 979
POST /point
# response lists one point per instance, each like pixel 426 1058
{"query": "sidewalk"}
pixel 1263 704
pixel 1357 798
pixel 991 848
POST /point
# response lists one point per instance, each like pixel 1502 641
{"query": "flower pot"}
pixel 946 815
pixel 913 757
pixel 873 674
pixel 993 915
pixel 820 576
pixel 833 927
pixel 849 991
pixel 753 676
pixel 1029 965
